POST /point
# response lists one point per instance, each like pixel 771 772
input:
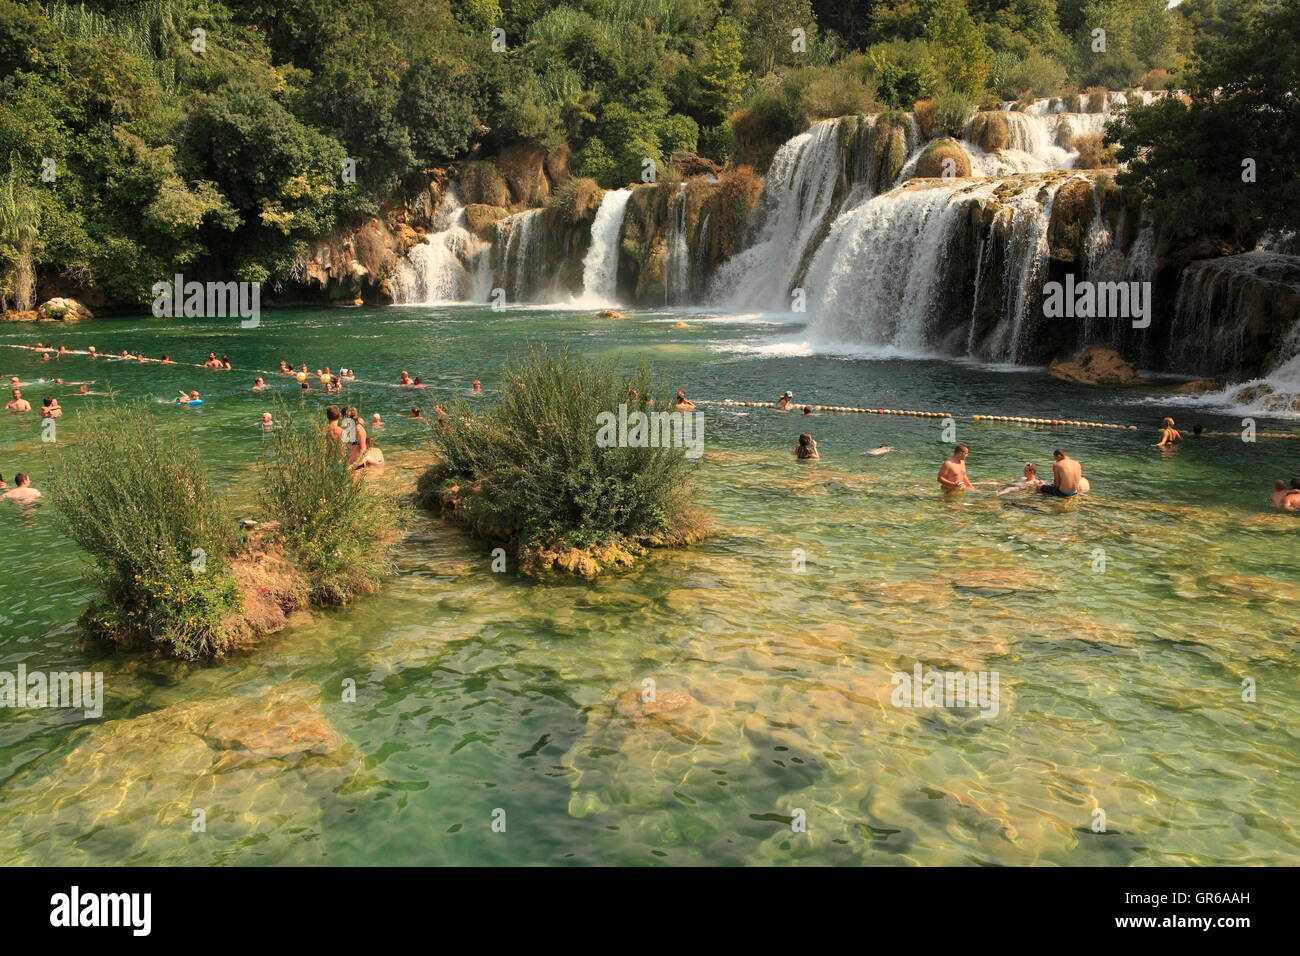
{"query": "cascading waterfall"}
pixel 600 267
pixel 1038 143
pixel 874 280
pixel 1028 256
pixel 677 279
pixel 445 266
pixel 519 240
pixel 800 190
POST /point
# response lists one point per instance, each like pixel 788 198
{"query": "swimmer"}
pixel 952 474
pixel 50 408
pixel 785 401
pixel 63 350
pixel 22 490
pixel 90 350
pixel 1168 434
pixel 84 389
pixel 1286 498
pixel 415 413
pixel 477 386
pixel 284 368
pixel 1029 481
pixel 166 360
pixel 332 428
pixel 184 397
pixel 806 450
pixel 681 403
pixel 376 421
pixel 418 383
pixel 194 397
pixel 807 410
pixel 45 356
pixel 1067 477
pixel 225 363
pixel 125 356
pixel 880 451
pixel 18 403
pixel 405 379
pixel 212 361
pixel 267 423
pixel 258 385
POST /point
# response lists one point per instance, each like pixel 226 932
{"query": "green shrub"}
pixel 951 110
pixel 337 529
pixel 135 496
pixel 536 472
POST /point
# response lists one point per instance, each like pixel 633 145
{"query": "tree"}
pixel 722 79
pixel 965 55
pixel 20 228
pixel 1225 164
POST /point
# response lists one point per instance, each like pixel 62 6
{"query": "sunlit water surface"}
pixel 1121 627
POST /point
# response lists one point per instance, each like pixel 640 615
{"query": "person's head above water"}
pixel 805 440
pixel 1031 470
pixel 807 409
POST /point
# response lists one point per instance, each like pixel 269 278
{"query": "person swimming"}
pixel 258 384
pixel 405 378
pixel 477 386
pixel 376 421
pixel 267 423
pixel 785 401
pixel 1168 434
pixel 681 403
pixel 1286 498
pixel 1029 481
pixel 18 403
pixel 50 408
pixel 22 490
pixel 166 360
pixel 807 410
pixel 806 450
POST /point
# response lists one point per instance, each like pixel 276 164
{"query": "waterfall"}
pixel 600 267
pixel 1027 256
pixel 520 266
pixel 797 200
pixel 875 279
pixel 677 277
pixel 1038 143
pixel 442 267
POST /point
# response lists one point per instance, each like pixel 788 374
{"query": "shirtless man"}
pixel 332 427
pixel 22 490
pixel 681 403
pixel 18 403
pixel 258 384
pixel 1284 498
pixel 1067 477
pixel 952 474
pixel 477 386
pixel 785 401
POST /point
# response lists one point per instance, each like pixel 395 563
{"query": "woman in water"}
pixel 1028 482
pixel 806 450
pixel 1168 434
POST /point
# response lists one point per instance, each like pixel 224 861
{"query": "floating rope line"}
pixel 835 408
pixel 1007 419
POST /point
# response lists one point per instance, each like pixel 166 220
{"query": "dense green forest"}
pixel 143 137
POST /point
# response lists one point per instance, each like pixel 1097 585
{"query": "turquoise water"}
pixel 478 692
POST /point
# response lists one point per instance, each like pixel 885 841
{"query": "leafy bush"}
pixel 952 109
pixel 1034 76
pixel 530 468
pixel 135 496
pixel 338 529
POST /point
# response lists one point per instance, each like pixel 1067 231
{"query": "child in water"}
pixel 1028 482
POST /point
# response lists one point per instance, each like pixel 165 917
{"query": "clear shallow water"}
pixel 477 691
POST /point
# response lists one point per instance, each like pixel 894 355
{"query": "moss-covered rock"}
pixel 482 219
pixel 989 130
pixel 481 183
pixel 943 158
pixel 1072 212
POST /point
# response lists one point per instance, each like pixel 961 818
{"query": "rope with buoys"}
pixel 1004 419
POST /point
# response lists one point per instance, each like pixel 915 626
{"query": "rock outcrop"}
pixel 1097 365
pixel 64 310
